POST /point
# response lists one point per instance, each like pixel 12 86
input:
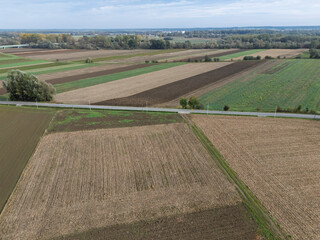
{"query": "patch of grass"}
pixel 240 54
pixel 64 87
pixel 4 97
pixel 288 85
pixel 83 119
pixel 26 68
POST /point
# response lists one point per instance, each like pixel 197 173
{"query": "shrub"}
pixel 147 61
pixel 226 108
pixel 194 103
pixel 23 86
pixel 207 59
pixel 89 60
pixel 216 59
pixel 268 57
pixel 183 103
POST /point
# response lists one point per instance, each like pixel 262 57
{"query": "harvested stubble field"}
pixel 78 55
pixel 82 119
pixel 160 176
pixel 287 53
pixel 170 91
pixel 278 159
pixel 20 131
pixel 129 86
pixel 287 84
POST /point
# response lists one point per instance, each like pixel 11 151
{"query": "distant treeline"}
pixel 221 39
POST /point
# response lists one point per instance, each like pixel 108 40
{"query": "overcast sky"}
pixel 103 14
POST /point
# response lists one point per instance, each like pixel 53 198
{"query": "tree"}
pixel 23 86
pixel 194 103
pixel 207 58
pixel 183 103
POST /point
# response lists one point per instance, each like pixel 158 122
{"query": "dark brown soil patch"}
pixel 223 223
pixel 177 89
pixel 46 52
pixel 96 74
pixel 216 55
pixel 82 119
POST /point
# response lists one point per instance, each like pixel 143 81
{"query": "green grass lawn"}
pixel 240 54
pixel 289 84
pixel 64 87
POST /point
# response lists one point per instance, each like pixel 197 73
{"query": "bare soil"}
pixel 171 91
pixel 78 55
pixel 278 159
pixel 79 181
pixel 133 85
pixel 200 225
pixel 20 132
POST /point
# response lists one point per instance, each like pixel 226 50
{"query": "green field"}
pixel 289 84
pixel 64 87
pixel 21 129
pixel 240 54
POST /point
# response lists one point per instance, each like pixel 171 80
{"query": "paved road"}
pixel 182 111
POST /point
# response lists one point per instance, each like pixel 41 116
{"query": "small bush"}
pixel 268 57
pixel 89 60
pixel 226 108
pixel 216 59
pixel 154 61
pixel 147 61
pixel 207 59
pixel 184 103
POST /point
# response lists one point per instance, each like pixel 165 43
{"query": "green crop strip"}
pixel 289 84
pixel 267 226
pixel 22 63
pixel 240 54
pixel 64 87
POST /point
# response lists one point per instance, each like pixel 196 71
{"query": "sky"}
pixel 113 14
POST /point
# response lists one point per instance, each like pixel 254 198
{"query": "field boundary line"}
pixel 269 228
pixel 173 110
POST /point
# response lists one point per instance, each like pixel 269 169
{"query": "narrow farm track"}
pixel 171 91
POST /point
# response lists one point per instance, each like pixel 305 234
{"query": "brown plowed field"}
pixel 193 226
pixel 78 55
pixel 80 181
pixel 171 91
pixel 47 51
pixel 109 70
pixel 212 55
pixel 133 85
pixel 278 159
pixel 165 56
pixel 288 53
pixel 20 131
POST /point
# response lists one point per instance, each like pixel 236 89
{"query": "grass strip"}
pixel 64 87
pixel 268 228
pixel 240 54
pixel 22 63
